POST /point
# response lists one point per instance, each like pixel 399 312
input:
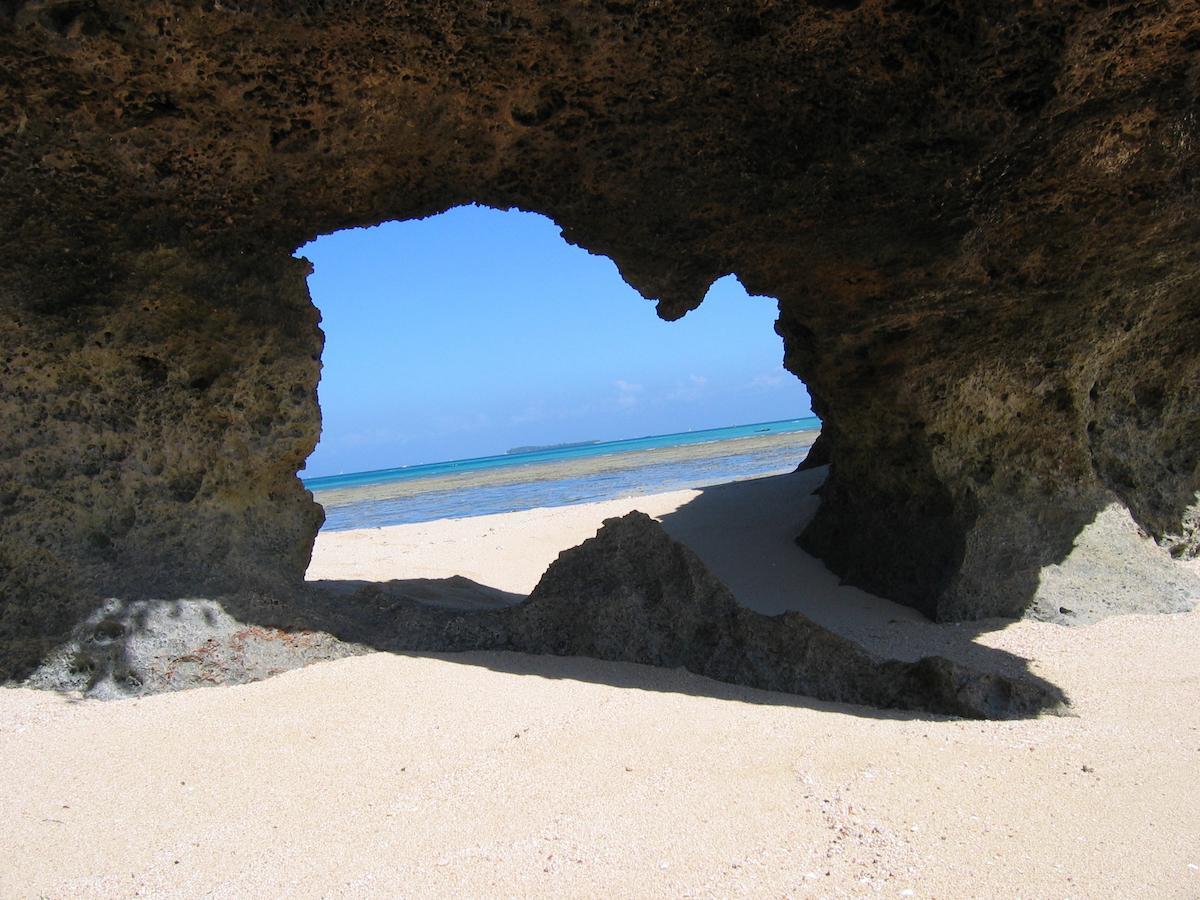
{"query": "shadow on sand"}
pixel 743 532
pixel 638 677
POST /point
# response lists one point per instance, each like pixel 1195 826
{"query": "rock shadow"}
pixel 631 594
pixel 746 532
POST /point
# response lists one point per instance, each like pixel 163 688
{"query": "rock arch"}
pixel 979 218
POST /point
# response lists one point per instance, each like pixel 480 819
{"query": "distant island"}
pixel 539 449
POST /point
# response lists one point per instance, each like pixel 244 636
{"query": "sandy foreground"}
pixel 493 774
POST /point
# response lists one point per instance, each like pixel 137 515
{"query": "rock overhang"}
pixel 979 220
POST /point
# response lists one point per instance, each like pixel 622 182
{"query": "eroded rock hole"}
pixel 479 344
pixel 485 390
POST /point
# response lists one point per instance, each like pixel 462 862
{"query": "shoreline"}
pixel 745 531
pixel 566 469
pixel 553 452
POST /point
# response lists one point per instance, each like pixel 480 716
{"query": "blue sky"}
pixel 477 330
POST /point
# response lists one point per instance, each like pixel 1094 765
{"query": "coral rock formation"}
pixel 629 594
pixel 979 218
pixel 632 594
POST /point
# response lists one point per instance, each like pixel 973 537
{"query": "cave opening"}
pixel 476 364
pixel 987 379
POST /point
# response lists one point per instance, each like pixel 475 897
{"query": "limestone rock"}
pixel 629 594
pixel 129 648
pixel 979 219
pixel 632 594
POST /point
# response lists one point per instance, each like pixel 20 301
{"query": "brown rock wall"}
pixel 152 439
pixel 979 219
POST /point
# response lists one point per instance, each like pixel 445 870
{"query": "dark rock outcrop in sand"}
pixel 980 220
pixel 629 594
pixel 632 594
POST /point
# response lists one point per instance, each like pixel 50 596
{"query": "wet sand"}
pixel 565 469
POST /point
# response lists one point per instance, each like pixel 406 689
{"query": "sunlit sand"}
pixel 500 774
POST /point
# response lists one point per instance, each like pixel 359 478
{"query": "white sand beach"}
pixel 493 774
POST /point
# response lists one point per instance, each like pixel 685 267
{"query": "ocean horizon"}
pixel 559 475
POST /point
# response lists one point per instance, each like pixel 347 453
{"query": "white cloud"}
pixel 767 381
pixel 453 424
pixel 527 416
pixel 627 393
pixel 690 389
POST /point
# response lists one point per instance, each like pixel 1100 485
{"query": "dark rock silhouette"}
pixel 629 594
pixel 632 594
pixel 818 454
pixel 980 221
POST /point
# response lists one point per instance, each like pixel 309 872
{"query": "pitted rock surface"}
pixel 629 594
pixel 979 219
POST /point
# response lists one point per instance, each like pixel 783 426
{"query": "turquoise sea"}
pixel 561 475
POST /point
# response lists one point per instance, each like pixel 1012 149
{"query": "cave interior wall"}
pixel 978 218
